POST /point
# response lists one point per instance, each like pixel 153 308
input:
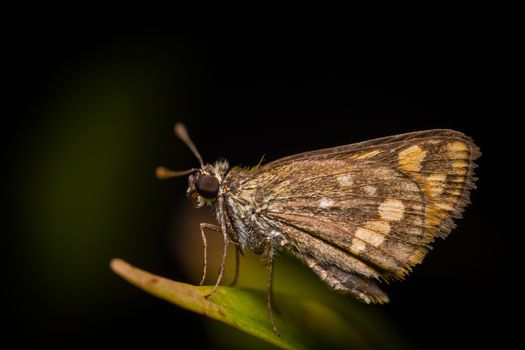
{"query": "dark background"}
pixel 90 113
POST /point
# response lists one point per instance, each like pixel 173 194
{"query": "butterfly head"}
pixel 203 186
pixel 204 182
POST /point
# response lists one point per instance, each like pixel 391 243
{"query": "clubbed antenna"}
pixel 182 133
pixel 165 173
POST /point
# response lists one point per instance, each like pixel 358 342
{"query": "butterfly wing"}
pixel 369 210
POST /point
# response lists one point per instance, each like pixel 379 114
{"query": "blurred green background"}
pixel 92 112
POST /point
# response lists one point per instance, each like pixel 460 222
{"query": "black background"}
pixel 280 87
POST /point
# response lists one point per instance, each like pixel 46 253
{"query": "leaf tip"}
pixel 118 266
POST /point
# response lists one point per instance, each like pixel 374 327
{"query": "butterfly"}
pixel 356 214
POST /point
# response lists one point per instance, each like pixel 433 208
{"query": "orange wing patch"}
pixel 443 171
pixel 410 159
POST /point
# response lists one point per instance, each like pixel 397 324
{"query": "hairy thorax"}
pixel 244 210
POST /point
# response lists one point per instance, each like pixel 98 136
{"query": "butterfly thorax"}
pixel 243 208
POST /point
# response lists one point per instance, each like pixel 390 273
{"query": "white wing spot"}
pixel 391 210
pixel 370 190
pixel 358 245
pixel 345 180
pixel 325 203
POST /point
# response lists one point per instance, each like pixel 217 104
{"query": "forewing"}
pixel 381 202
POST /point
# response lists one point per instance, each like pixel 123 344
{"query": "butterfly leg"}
pixel 270 257
pixel 237 262
pixel 223 263
pixel 211 227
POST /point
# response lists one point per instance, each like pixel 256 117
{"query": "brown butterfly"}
pixel 354 214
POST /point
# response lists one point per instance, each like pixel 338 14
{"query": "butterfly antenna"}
pixel 182 133
pixel 165 173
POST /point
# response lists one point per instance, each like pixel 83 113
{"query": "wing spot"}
pixel 378 226
pixel 325 203
pixel 410 159
pixel 370 190
pixel 345 180
pixel 459 167
pixel 367 154
pixel 391 210
pixel 436 184
pixel 369 236
pixel 444 206
pixel 358 245
pixel 457 146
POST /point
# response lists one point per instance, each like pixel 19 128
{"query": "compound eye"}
pixel 208 186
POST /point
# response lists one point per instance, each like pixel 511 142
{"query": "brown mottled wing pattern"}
pixel 369 210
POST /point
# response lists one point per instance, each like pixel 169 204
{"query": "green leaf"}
pixel 304 323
